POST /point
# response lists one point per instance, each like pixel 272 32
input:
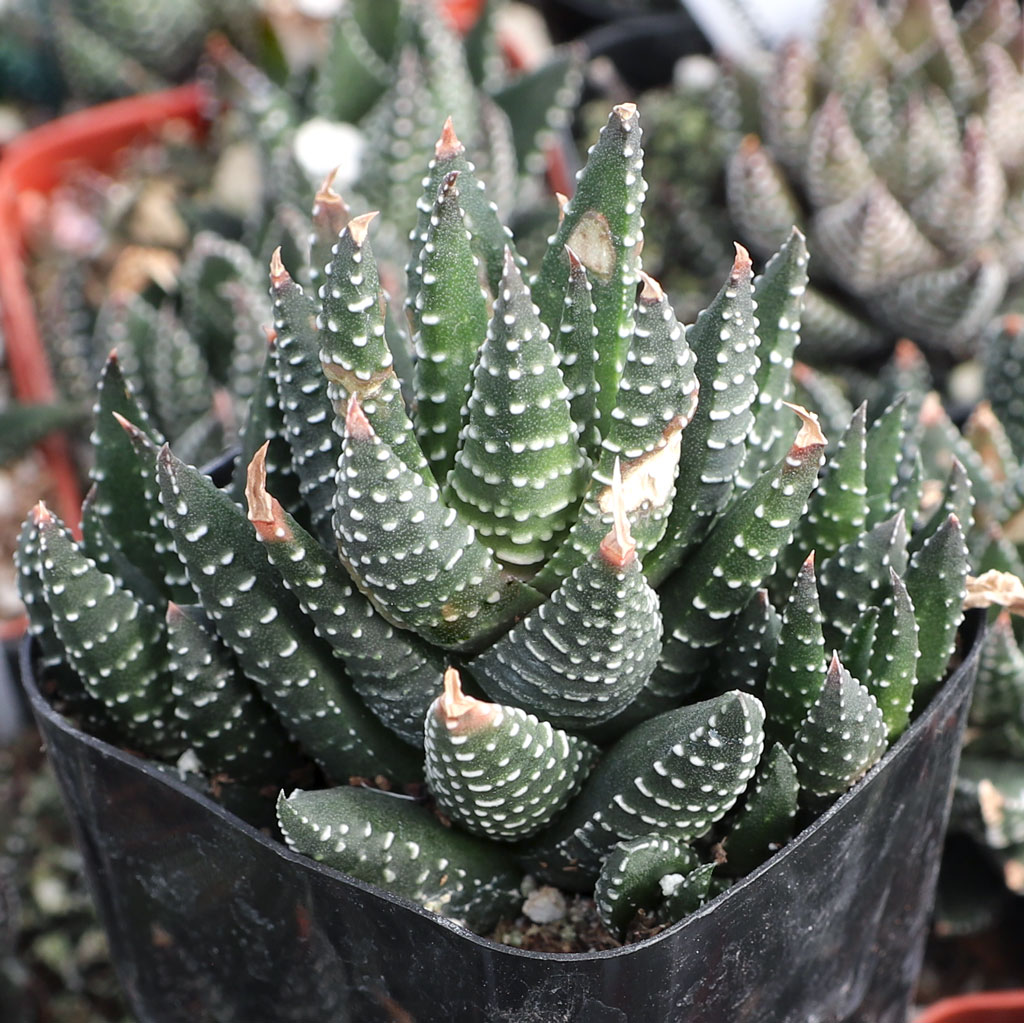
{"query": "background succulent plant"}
pixel 93 50
pixel 559 586
pixel 892 141
pixel 158 259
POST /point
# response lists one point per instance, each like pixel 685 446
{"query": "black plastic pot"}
pixel 209 920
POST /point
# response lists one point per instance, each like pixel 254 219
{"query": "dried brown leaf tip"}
pixel 810 435
pixel 356 423
pixel 448 145
pixel 742 265
pixel 127 425
pixel 278 273
pixel 652 291
pixel 907 355
pixel 358 227
pixel 461 713
pixel 995 589
pixel 265 513
pixel 618 548
pixel 563 201
pixel 41 514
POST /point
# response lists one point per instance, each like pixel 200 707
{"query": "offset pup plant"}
pixel 582 604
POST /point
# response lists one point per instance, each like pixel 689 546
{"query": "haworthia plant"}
pixel 891 137
pixel 543 598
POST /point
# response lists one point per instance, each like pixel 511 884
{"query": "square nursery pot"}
pixel 210 920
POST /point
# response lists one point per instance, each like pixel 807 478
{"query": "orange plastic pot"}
pixel 35 163
pixel 981 1007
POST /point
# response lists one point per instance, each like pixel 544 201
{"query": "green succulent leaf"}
pixel 115 643
pixel 353 350
pixel 743 658
pixel 766 821
pixel 676 775
pixel 892 668
pixel 396 674
pixel 857 575
pixel 799 664
pixel 303 406
pixel 937 583
pixel 657 399
pixel 736 557
pixel 262 623
pixel 583 656
pixel 497 770
pixel 437 578
pixel 450 319
pixel 631 877
pixel 519 472
pixel 778 295
pixel 725 343
pixel 842 736
pixel 222 719
pixel 603 227
pixel 397 844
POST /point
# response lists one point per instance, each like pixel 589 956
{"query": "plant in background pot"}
pixel 81 51
pixel 894 142
pixel 580 610
pixel 156 259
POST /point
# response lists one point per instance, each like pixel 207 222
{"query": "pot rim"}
pixel 949 1010
pixel 942 702
pixel 35 161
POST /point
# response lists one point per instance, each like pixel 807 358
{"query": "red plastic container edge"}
pixel 983 1007
pixel 37 161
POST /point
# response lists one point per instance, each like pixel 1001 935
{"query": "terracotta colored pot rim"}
pixel 37 161
pixel 980 1007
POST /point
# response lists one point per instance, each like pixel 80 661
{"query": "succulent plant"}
pixel 893 141
pixel 158 261
pixel 542 618
pixel 975 472
pixel 372 100
pixel 91 50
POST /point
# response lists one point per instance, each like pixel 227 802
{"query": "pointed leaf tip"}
pixel 625 111
pixel 810 434
pixel 256 496
pixel 932 411
pixel 326 191
pixel 742 264
pixel 461 712
pixel 652 291
pixel 356 423
pixel 127 425
pixel 448 145
pixel 618 548
pixel 358 227
pixel 563 201
pixel 41 514
pixel 277 271
pixel 907 354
